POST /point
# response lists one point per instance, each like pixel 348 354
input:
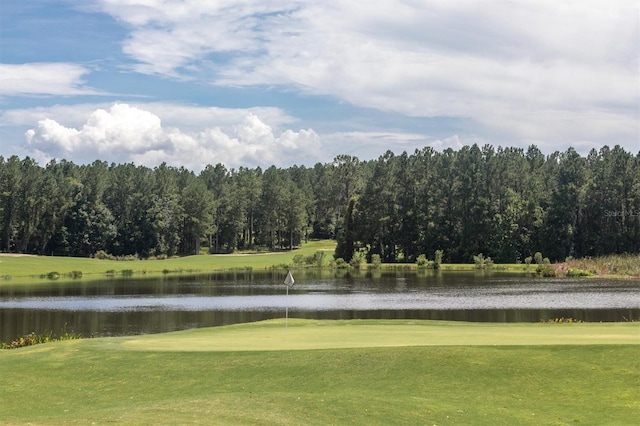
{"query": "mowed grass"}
pixel 26 268
pixel 332 372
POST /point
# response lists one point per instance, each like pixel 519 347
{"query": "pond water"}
pixel 121 306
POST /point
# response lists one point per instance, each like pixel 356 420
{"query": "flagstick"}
pixel 288 281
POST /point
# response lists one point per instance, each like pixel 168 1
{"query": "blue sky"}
pixel 254 83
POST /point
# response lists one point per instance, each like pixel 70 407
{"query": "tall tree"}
pixel 565 207
pixel 11 184
pixel 376 222
pixel 247 185
pixel 197 205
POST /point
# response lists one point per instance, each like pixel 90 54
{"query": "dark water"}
pixel 134 306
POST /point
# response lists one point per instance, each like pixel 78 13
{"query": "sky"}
pixel 250 83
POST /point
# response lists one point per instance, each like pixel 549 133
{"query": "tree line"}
pixel 506 203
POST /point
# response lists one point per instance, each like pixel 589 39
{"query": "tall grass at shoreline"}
pixel 615 264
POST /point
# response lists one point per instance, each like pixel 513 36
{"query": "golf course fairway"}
pixel 333 372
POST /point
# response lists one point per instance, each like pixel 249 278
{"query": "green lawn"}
pixel 27 268
pixel 332 372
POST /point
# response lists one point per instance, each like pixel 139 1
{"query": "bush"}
pixel 376 262
pixel 422 261
pixel 318 259
pixel 482 262
pixel 126 272
pixel 527 262
pixel 341 264
pixel 75 274
pixel 575 272
pixel 438 259
pixel 537 257
pixel 357 260
pixel 546 271
pixel 103 255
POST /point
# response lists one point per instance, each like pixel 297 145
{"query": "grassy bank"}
pixel 29 268
pixel 335 372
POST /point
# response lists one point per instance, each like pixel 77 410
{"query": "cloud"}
pixel 192 136
pixel 186 117
pixel 529 70
pixel 44 79
pixel 124 133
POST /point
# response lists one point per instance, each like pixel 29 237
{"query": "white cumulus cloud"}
pixel 124 133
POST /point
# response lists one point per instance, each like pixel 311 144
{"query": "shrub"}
pixel 126 272
pixel 357 260
pixel 575 272
pixel 546 271
pixel 319 258
pixel 53 275
pixel 341 264
pixel 527 262
pixel 438 259
pixel 537 257
pixel 482 262
pixel 376 262
pixel 103 255
pixel 422 261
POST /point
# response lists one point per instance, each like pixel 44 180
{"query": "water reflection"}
pixel 126 306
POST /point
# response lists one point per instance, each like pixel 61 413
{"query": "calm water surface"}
pixel 134 306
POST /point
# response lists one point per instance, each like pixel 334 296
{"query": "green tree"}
pixel 565 210
pixel 248 184
pixel 376 223
pixel 197 205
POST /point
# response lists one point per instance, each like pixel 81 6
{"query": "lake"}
pixel 124 306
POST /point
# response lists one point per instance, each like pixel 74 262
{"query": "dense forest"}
pixel 506 203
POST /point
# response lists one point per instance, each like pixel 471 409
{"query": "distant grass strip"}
pixel 174 379
pixel 18 269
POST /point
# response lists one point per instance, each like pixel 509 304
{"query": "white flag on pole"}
pixel 289 280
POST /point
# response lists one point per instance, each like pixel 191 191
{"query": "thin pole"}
pixel 288 281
